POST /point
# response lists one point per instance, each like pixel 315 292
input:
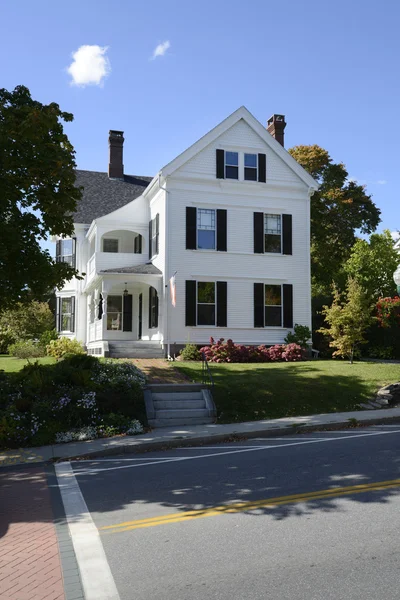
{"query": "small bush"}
pixel 58 348
pixel 301 335
pixel 48 336
pixel 26 349
pixel 190 352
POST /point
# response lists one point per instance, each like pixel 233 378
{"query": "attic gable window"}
pixel 231 165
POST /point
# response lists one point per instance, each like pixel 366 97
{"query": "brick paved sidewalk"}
pixel 30 566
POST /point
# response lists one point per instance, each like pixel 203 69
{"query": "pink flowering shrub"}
pixel 228 352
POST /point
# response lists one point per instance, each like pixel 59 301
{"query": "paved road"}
pixel 266 518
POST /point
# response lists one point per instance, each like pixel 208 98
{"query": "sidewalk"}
pixel 30 567
pixel 192 436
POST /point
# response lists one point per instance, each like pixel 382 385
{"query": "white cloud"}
pixel 381 182
pixel 90 65
pixel 161 49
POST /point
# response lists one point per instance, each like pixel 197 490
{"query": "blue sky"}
pixel 330 67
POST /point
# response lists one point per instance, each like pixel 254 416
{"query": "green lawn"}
pixel 248 392
pixel 11 364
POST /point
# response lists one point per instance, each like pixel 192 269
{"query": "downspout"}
pixel 166 265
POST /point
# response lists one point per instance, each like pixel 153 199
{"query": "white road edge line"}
pixel 97 580
pixel 252 449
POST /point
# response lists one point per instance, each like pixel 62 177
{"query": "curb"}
pixel 223 437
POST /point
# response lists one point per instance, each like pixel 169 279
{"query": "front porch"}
pixel 124 313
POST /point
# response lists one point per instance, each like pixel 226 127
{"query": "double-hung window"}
pixel 273 233
pixel 66 314
pixel 273 306
pixel 114 313
pixel 206 303
pixel 231 165
pixel 205 229
pixel 110 245
pixel 250 167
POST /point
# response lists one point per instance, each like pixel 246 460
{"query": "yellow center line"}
pixel 246 506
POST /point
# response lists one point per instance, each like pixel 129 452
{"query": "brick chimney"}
pixel 116 144
pixel 276 127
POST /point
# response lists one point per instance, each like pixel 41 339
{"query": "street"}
pixel 307 516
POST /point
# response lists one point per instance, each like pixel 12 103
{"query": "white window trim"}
pixel 254 168
pixel 215 231
pixel 274 253
pixel 118 239
pixel 207 303
pixel 115 313
pixel 265 305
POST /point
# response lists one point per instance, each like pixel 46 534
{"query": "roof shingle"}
pixel 102 195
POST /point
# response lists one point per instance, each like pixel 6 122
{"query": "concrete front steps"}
pixel 178 404
pixel 137 349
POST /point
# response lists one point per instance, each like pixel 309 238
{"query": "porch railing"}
pixel 206 376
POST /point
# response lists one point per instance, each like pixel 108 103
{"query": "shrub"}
pixel 229 352
pixel 190 352
pixel 26 349
pixel 47 336
pixel 58 348
pixel 300 335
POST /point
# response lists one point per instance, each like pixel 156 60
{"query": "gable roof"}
pixel 240 113
pixel 102 195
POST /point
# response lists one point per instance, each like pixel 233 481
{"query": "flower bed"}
pixel 229 352
pixel 79 397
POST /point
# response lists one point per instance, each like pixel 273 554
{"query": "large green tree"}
pixel 339 209
pixel 372 263
pixel 37 194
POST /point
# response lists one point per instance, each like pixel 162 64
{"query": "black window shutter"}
pixel 191 233
pixel 221 230
pixel 100 307
pixel 127 310
pixel 58 251
pixel 262 168
pixel 287 234
pixel 190 303
pixel 287 305
pixel 157 232
pixel 72 313
pixel 74 252
pixel 58 313
pixel 259 305
pixel 222 303
pixel 150 238
pixel 259 233
pixel 220 164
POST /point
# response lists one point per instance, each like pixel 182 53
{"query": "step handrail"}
pixel 206 376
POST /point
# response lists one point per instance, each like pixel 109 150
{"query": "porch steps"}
pixel 127 349
pixel 173 405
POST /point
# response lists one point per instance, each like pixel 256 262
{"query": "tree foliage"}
pixel 338 209
pixel 37 194
pixel 348 319
pixel 24 322
pixel 372 263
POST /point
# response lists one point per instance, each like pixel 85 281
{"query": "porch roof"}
pixel 147 269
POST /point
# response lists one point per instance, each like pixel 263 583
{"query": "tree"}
pixel 373 263
pixel 338 209
pixel 348 319
pixel 37 194
pixel 25 321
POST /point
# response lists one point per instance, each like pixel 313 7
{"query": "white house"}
pixel 229 219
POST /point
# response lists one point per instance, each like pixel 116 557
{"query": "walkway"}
pixel 30 566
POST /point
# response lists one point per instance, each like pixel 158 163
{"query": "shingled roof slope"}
pixel 102 195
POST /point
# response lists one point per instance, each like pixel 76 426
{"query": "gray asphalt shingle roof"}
pixel 147 269
pixel 102 195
